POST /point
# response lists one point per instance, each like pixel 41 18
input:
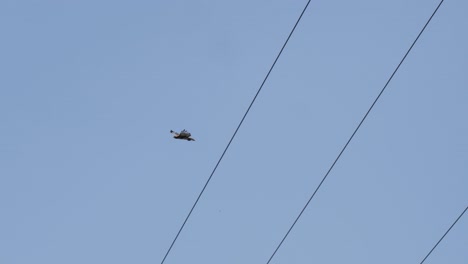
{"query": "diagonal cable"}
pixel 354 133
pixel 235 132
pixel 444 235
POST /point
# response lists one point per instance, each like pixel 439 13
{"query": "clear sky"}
pixel 89 91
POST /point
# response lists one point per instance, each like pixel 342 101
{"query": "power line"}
pixel 235 132
pixel 443 236
pixel 354 133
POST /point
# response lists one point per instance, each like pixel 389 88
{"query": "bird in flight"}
pixel 184 134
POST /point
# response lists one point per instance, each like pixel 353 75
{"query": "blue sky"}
pixel 90 89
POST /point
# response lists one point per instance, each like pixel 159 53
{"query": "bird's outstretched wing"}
pixel 185 133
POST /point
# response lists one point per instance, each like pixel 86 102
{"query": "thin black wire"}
pixel 443 236
pixel 352 136
pixel 235 132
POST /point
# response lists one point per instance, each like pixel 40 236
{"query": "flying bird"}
pixel 184 134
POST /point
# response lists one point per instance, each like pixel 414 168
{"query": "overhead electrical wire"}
pixel 235 132
pixel 354 133
pixel 448 230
